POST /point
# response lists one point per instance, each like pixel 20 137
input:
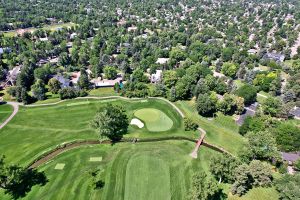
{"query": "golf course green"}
pixel 154 119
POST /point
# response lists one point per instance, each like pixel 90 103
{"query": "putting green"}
pixel 154 119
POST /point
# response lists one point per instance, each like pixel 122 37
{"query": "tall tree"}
pixel 110 121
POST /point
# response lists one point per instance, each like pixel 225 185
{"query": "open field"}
pixel 52 27
pixel 128 171
pixel 221 131
pixel 5 111
pixel 39 129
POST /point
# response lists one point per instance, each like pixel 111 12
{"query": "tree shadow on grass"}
pixel 23 184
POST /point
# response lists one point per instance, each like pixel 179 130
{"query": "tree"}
pixel 110 121
pixel 39 90
pixel 255 174
pixel 110 72
pixel 83 81
pixel 54 85
pixel 229 69
pixel 262 145
pixel 223 166
pixel 272 106
pixel 253 124
pixel 170 78
pixel 288 187
pixel 203 187
pixel 297 164
pixel 206 104
pixel 248 92
pixel 18 181
pixel 287 137
pixel 190 124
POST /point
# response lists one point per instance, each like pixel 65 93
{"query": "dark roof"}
pixel 275 56
pixel 63 81
pixel 295 112
pixel 250 111
pixel 290 156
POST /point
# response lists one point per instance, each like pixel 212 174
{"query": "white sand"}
pixel 137 122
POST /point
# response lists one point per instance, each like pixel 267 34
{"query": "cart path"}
pixel 15 106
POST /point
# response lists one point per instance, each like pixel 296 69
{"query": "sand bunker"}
pixel 137 122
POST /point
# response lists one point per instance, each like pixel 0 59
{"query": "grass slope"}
pixel 5 112
pixel 221 131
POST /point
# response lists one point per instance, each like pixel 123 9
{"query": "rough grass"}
pixel 257 194
pixel 221 131
pixel 154 119
pixel 5 112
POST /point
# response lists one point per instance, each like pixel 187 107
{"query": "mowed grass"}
pixel 154 119
pixel 156 170
pixel 221 131
pixel 259 193
pixel 35 130
pixel 5 111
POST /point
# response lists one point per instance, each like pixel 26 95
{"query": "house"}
pixel 131 28
pixel 64 82
pixel 75 77
pixel 252 51
pixel 274 56
pixel 295 112
pixel 290 157
pixel 218 74
pixel 73 35
pixel 99 82
pixel 156 77
pixel 162 61
pixel 12 75
pixel 43 39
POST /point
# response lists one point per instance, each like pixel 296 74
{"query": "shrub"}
pixel 190 125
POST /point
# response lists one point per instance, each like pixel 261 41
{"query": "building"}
pixel 295 112
pixel 64 82
pixel 249 111
pixel 252 51
pixel 274 56
pixel 156 77
pixel 99 82
pixel 162 61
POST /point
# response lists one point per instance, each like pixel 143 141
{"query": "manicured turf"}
pixel 38 129
pixel 5 112
pixel 258 194
pixel 157 170
pixel 221 131
pixel 154 119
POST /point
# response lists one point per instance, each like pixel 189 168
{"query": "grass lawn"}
pixel 262 96
pixel 221 131
pixel 5 112
pixel 257 194
pixel 105 91
pixel 38 129
pixel 238 83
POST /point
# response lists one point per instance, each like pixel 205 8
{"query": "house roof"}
pixel 290 156
pixel 63 81
pixel 162 61
pixel 295 111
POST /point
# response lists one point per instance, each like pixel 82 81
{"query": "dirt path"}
pixel 15 106
pixel 46 157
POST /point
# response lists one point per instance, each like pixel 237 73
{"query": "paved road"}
pixel 15 106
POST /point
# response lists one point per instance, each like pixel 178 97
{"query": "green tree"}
pixel 39 90
pixel 248 92
pixel 54 85
pixel 169 78
pixel 287 137
pixel 110 72
pixel 190 124
pixel 83 81
pixel 203 187
pixel 110 121
pixel 206 104
pixel 272 106
pixel 223 166
pixel 288 187
pixel 18 181
pixel 229 69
